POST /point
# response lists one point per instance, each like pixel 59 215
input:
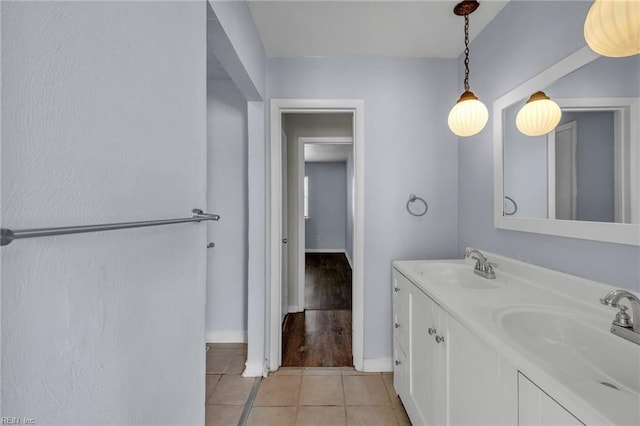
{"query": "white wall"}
pixel 350 208
pixel 520 42
pixel 408 149
pixel 227 196
pixel 327 224
pixel 103 120
pixel 235 42
pixel 257 333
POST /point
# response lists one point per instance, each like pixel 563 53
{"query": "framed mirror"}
pixel 582 180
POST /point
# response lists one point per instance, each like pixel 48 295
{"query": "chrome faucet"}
pixel 483 267
pixel 623 325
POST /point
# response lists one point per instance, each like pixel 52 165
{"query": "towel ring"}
pixel 413 198
pixel 515 207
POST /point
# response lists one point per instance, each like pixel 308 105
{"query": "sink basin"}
pixel 572 344
pixel 458 274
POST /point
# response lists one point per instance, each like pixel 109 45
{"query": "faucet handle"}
pixel 622 318
pixel 479 264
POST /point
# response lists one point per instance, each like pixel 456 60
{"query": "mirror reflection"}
pixel 588 168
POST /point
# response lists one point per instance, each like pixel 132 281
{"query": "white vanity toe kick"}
pixel 545 324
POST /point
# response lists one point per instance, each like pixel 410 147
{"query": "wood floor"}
pixel 321 335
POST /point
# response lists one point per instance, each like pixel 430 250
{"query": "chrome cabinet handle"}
pixel 439 339
pixel 396 325
pixel 398 362
pixel 431 331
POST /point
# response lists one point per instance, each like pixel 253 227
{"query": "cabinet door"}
pixel 536 408
pixel 428 361
pixel 400 373
pixel 482 387
pixel 401 289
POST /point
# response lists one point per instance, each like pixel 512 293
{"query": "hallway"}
pixel 321 336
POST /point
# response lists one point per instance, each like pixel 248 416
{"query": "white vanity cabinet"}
pixel 536 408
pixel 447 376
pixel 529 347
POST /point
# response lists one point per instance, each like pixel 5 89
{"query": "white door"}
pixel 566 189
pixel 284 273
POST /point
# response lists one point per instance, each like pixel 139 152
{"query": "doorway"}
pixel 317 330
pixel 296 303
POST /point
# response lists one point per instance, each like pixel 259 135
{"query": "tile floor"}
pixel 298 396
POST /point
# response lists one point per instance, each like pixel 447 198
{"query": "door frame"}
pixel 300 256
pixel 277 108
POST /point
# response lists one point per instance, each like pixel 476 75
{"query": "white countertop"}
pixel 523 286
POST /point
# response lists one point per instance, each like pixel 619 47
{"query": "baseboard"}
pixel 343 251
pixel 378 365
pixel 292 309
pixel 254 369
pixel 226 336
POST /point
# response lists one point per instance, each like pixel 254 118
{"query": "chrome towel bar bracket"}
pixel 8 235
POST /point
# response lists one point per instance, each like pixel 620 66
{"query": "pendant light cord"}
pixel 466 52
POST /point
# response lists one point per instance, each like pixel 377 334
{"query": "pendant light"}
pixel 538 116
pixel 468 116
pixel 612 28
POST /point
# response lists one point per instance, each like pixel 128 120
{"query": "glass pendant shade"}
pixel 468 116
pixel 538 116
pixel 612 28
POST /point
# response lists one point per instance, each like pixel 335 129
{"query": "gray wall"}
pixel 326 227
pixel 603 77
pixel 525 168
pixel 594 165
pixel 227 196
pixel 408 149
pixel 519 43
pixel 103 120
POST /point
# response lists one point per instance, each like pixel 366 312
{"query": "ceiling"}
pixel 422 28
pixel 325 152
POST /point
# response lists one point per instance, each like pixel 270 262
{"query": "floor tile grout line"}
pixel 344 399
pixel 248 406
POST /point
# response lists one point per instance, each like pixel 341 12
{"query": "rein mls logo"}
pixel 17 421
